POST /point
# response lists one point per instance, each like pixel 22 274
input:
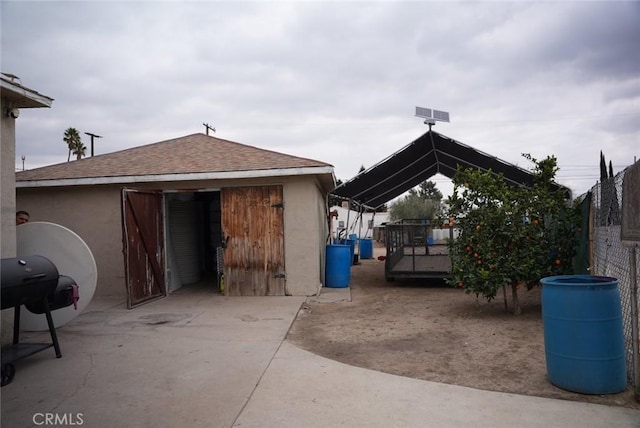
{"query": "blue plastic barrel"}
pixel 366 248
pixel 583 334
pixel 338 266
pixel 352 243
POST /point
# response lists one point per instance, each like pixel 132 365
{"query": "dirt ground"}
pixel 427 330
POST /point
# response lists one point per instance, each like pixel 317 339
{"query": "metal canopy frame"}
pixel 420 160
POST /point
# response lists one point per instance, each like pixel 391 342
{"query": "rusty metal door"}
pixel 143 246
pixel 253 226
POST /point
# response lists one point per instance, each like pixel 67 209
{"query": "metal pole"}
pixel 635 339
pixel 346 234
pixel 208 127
pixel 92 137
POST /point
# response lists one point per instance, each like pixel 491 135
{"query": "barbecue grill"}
pixel 32 281
pixel 64 295
pixel 26 280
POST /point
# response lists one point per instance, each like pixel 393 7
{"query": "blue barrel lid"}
pixel 578 280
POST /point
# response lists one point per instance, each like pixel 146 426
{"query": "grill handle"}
pixel 32 277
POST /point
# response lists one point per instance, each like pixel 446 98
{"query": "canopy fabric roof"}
pixel 417 162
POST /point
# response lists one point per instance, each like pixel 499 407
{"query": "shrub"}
pixel 510 235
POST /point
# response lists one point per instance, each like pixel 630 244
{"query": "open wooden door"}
pixel 143 246
pixel 253 226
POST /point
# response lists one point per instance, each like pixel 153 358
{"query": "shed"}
pixel 184 210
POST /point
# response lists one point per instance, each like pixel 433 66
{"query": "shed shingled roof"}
pixel 197 153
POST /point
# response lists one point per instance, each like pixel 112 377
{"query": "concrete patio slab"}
pixel 199 359
pixel 301 389
pixel 184 361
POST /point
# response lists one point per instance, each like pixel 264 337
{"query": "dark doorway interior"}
pixel 194 240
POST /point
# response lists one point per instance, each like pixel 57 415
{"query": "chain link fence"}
pixel 610 258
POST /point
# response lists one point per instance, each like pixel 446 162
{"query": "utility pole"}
pixel 209 127
pixel 23 158
pixel 92 137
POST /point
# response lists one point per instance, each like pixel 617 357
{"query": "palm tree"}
pixel 72 138
pixel 80 150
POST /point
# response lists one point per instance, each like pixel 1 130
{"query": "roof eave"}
pixel 129 179
pixel 19 96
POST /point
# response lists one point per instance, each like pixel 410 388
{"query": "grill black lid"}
pixel 26 279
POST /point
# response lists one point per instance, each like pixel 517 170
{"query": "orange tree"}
pixel 510 235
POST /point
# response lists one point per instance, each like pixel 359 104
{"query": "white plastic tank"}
pixel 437 234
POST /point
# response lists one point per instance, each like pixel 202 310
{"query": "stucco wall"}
pixel 323 235
pixel 303 227
pixel 7 192
pixel 93 212
pixel 8 208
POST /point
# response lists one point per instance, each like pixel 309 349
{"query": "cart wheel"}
pixel 8 372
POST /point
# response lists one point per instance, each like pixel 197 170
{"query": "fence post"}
pixel 635 341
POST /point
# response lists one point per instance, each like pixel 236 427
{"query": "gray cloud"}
pixel 334 81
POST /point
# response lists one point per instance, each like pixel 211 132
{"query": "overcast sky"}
pixel 333 81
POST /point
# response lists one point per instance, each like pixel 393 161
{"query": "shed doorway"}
pixel 193 240
pixel 235 231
